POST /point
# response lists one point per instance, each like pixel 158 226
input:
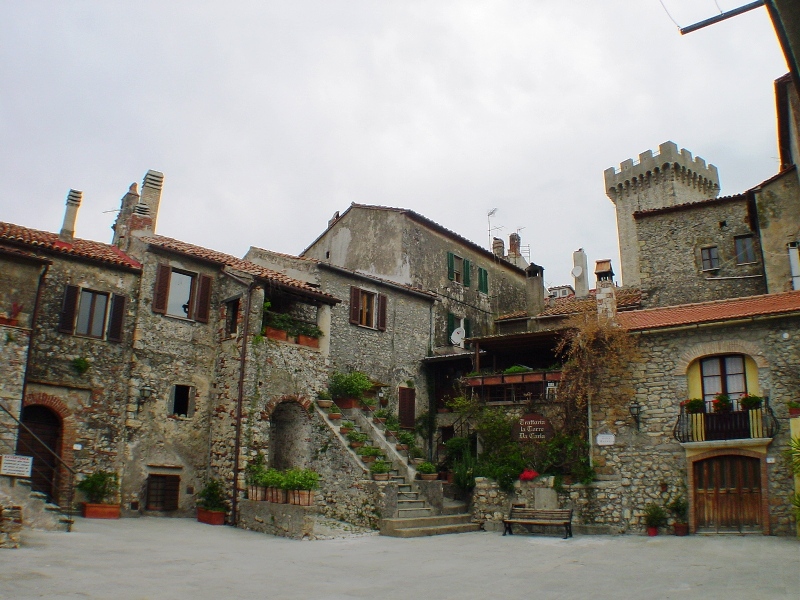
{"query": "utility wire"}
pixel 669 15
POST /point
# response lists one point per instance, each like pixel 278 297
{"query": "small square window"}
pixel 163 492
pixel 745 252
pixel 232 317
pixel 91 314
pixel 367 309
pixel 710 257
pixel 182 401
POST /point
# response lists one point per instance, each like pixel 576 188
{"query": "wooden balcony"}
pixel 515 388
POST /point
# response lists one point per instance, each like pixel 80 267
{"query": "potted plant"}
pixel 348 388
pixel 357 439
pixel 695 406
pixel 211 503
pixel 514 374
pixel 368 404
pixel 794 409
pixel 679 507
pixel 379 416
pixel 380 470
pixel 273 481
pixel 654 517
pixel 427 471
pixel 308 334
pixel 334 413
pixel 100 489
pixel 721 403
pixel 392 425
pixel 300 483
pixel 324 399
pixel 346 427
pixel 405 439
pixel 750 402
pixel 369 454
pixel 254 477
pixel 416 454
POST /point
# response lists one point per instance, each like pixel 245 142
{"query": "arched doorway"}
pixel 45 425
pixel 727 494
pixel 290 435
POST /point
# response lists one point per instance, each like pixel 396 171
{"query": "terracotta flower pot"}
pixel 368 459
pixel 680 529
pixel 429 476
pixel 100 511
pixel 300 497
pixel 356 444
pixel 652 531
pixel 345 430
pixel 306 340
pixel 324 403
pixel 347 402
pixel 380 476
pixel 334 416
pixel 401 447
pixel 210 517
pixel 276 334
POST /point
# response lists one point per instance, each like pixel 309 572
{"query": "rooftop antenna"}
pixel 721 16
pixel 489 216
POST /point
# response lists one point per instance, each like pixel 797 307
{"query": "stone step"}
pixel 413 513
pixel 410 496
pixel 411 532
pixel 410 503
pixel 453 507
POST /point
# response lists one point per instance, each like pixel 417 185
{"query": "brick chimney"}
pixel 498 247
pixel 67 233
pixel 151 194
pixel 121 225
pixel 513 245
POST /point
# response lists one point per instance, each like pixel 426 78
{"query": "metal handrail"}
pixel 72 473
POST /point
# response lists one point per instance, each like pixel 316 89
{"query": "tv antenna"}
pixel 489 216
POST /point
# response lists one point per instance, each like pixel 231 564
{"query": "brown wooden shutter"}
pixel 116 318
pixel 407 407
pixel 355 305
pixel 161 292
pixel 382 312
pixel 203 299
pixel 66 322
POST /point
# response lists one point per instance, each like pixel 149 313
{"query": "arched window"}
pixel 723 375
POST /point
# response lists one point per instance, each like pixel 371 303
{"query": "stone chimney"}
pixel 121 225
pixel 151 195
pixel 606 291
pixel 498 247
pixel 67 233
pixel 534 289
pixel 580 273
pixel 513 245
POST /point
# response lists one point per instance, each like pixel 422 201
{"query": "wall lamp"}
pixel 145 392
pixel 635 408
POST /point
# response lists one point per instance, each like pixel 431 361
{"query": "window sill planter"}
pixel 99 511
pixel 307 340
pixel 347 402
pixel 276 334
pixel 210 517
pixel 493 380
pixel 517 378
pixel 300 497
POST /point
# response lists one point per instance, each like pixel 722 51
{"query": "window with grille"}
pixel 163 492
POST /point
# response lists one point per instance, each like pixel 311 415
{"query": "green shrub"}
pixel 324 395
pixel 370 451
pixel 426 468
pixel 80 365
pixel 255 470
pixel 381 413
pixel 357 436
pixel 679 507
pixel 349 385
pixel 100 487
pixel 380 466
pixel 212 496
pixel 300 479
pixel 272 478
pixel 416 452
pixel 392 423
pixel 407 438
pixel 335 410
pixel 750 402
pixel 517 369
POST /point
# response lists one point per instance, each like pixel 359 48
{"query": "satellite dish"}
pixel 458 336
pixel 577 272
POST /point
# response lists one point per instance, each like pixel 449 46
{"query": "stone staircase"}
pixel 37 512
pixel 415 517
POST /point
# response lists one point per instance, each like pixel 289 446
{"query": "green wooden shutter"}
pixel 451 325
pixel 69 309
pixel 467 269
pixel 467 328
pixel 483 280
pixel 451 266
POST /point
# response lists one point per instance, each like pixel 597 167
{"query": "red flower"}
pixel 528 475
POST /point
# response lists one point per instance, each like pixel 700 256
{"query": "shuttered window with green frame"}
pixel 483 280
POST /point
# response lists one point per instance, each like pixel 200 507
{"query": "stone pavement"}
pixel 179 558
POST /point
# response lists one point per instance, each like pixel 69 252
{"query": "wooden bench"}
pixel 523 515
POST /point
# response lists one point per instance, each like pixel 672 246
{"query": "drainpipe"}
pixel 239 401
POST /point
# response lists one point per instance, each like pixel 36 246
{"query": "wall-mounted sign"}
pixel 16 466
pixel 605 439
pixel 532 428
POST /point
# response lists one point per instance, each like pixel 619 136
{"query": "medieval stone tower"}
pixel 668 178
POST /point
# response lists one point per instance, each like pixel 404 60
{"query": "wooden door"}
pixel 44 424
pixel 727 494
pixel 407 407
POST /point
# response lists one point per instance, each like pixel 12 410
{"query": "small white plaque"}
pixel 605 439
pixel 770 460
pixel 77 446
pixel 16 466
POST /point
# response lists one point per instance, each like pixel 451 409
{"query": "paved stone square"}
pixel 179 558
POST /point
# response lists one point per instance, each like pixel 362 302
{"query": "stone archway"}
pixel 290 436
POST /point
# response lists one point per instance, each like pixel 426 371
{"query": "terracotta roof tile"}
pixel 239 264
pixel 627 299
pixel 33 239
pixel 709 312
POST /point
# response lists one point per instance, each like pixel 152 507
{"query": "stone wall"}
pixel 13 358
pixel 670 243
pixel 778 203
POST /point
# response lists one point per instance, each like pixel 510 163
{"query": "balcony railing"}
pixel 515 388
pixel 732 425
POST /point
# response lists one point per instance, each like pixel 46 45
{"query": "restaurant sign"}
pixel 532 428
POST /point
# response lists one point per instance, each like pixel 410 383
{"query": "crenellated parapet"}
pixel 668 166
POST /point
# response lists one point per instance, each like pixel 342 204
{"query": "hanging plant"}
pixel 80 365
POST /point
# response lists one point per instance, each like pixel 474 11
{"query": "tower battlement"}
pixel 668 165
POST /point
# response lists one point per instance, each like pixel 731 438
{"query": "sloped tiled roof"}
pixel 710 312
pixel 689 205
pixel 414 216
pixel 245 266
pixel 50 243
pixel 627 299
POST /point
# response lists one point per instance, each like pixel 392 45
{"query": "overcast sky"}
pixel 267 117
